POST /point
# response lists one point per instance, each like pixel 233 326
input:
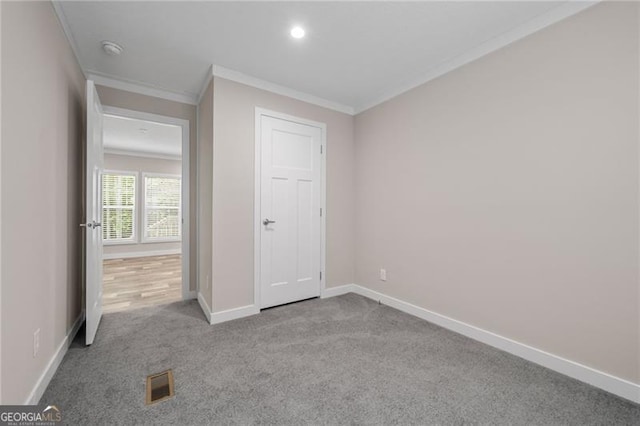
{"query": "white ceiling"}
pixel 139 137
pixel 354 54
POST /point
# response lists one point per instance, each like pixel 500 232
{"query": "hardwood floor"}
pixel 141 281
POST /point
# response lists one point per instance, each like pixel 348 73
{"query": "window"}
pixel 118 207
pixel 162 201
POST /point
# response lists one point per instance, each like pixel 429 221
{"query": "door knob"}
pixel 90 225
pixel 266 222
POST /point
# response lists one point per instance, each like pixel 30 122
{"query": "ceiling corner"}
pixel 141 88
pixel 62 18
pixel 533 25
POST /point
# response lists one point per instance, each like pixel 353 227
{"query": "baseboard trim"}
pixel 205 307
pixel 54 363
pixel 235 313
pixel 336 291
pixel 191 295
pixel 129 255
pixel 599 379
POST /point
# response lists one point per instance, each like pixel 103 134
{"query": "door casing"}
pixel 257 217
pixel 186 183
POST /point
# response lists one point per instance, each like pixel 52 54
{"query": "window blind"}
pixel 162 204
pixel 118 207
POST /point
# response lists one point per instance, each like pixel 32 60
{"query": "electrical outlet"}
pixel 383 274
pixel 36 342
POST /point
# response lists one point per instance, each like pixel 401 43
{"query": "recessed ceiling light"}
pixel 111 48
pixel 297 32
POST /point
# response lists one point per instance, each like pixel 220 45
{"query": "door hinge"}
pixel 320 149
pixel 320 275
pixel 320 211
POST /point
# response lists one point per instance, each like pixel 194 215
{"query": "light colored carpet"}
pixel 344 360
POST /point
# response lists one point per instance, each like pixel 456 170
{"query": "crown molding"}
pixel 550 17
pixel 116 82
pixel 62 18
pixel 141 88
pixel 205 85
pixel 544 20
pixel 238 77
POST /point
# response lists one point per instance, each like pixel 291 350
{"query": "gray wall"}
pixel 140 165
pixel 42 192
pixel 134 101
pixel 233 189
pixel 505 193
pixel 205 193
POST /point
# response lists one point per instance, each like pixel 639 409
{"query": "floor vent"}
pixel 159 387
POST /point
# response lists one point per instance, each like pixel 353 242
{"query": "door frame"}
pixel 257 225
pixel 185 182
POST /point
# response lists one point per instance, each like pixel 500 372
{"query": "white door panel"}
pixel 93 216
pixel 290 197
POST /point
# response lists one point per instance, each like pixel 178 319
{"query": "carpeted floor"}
pixel 343 360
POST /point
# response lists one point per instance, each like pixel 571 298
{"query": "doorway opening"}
pixel 145 200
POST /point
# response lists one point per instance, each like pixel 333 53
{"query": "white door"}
pixel 93 215
pixel 290 216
